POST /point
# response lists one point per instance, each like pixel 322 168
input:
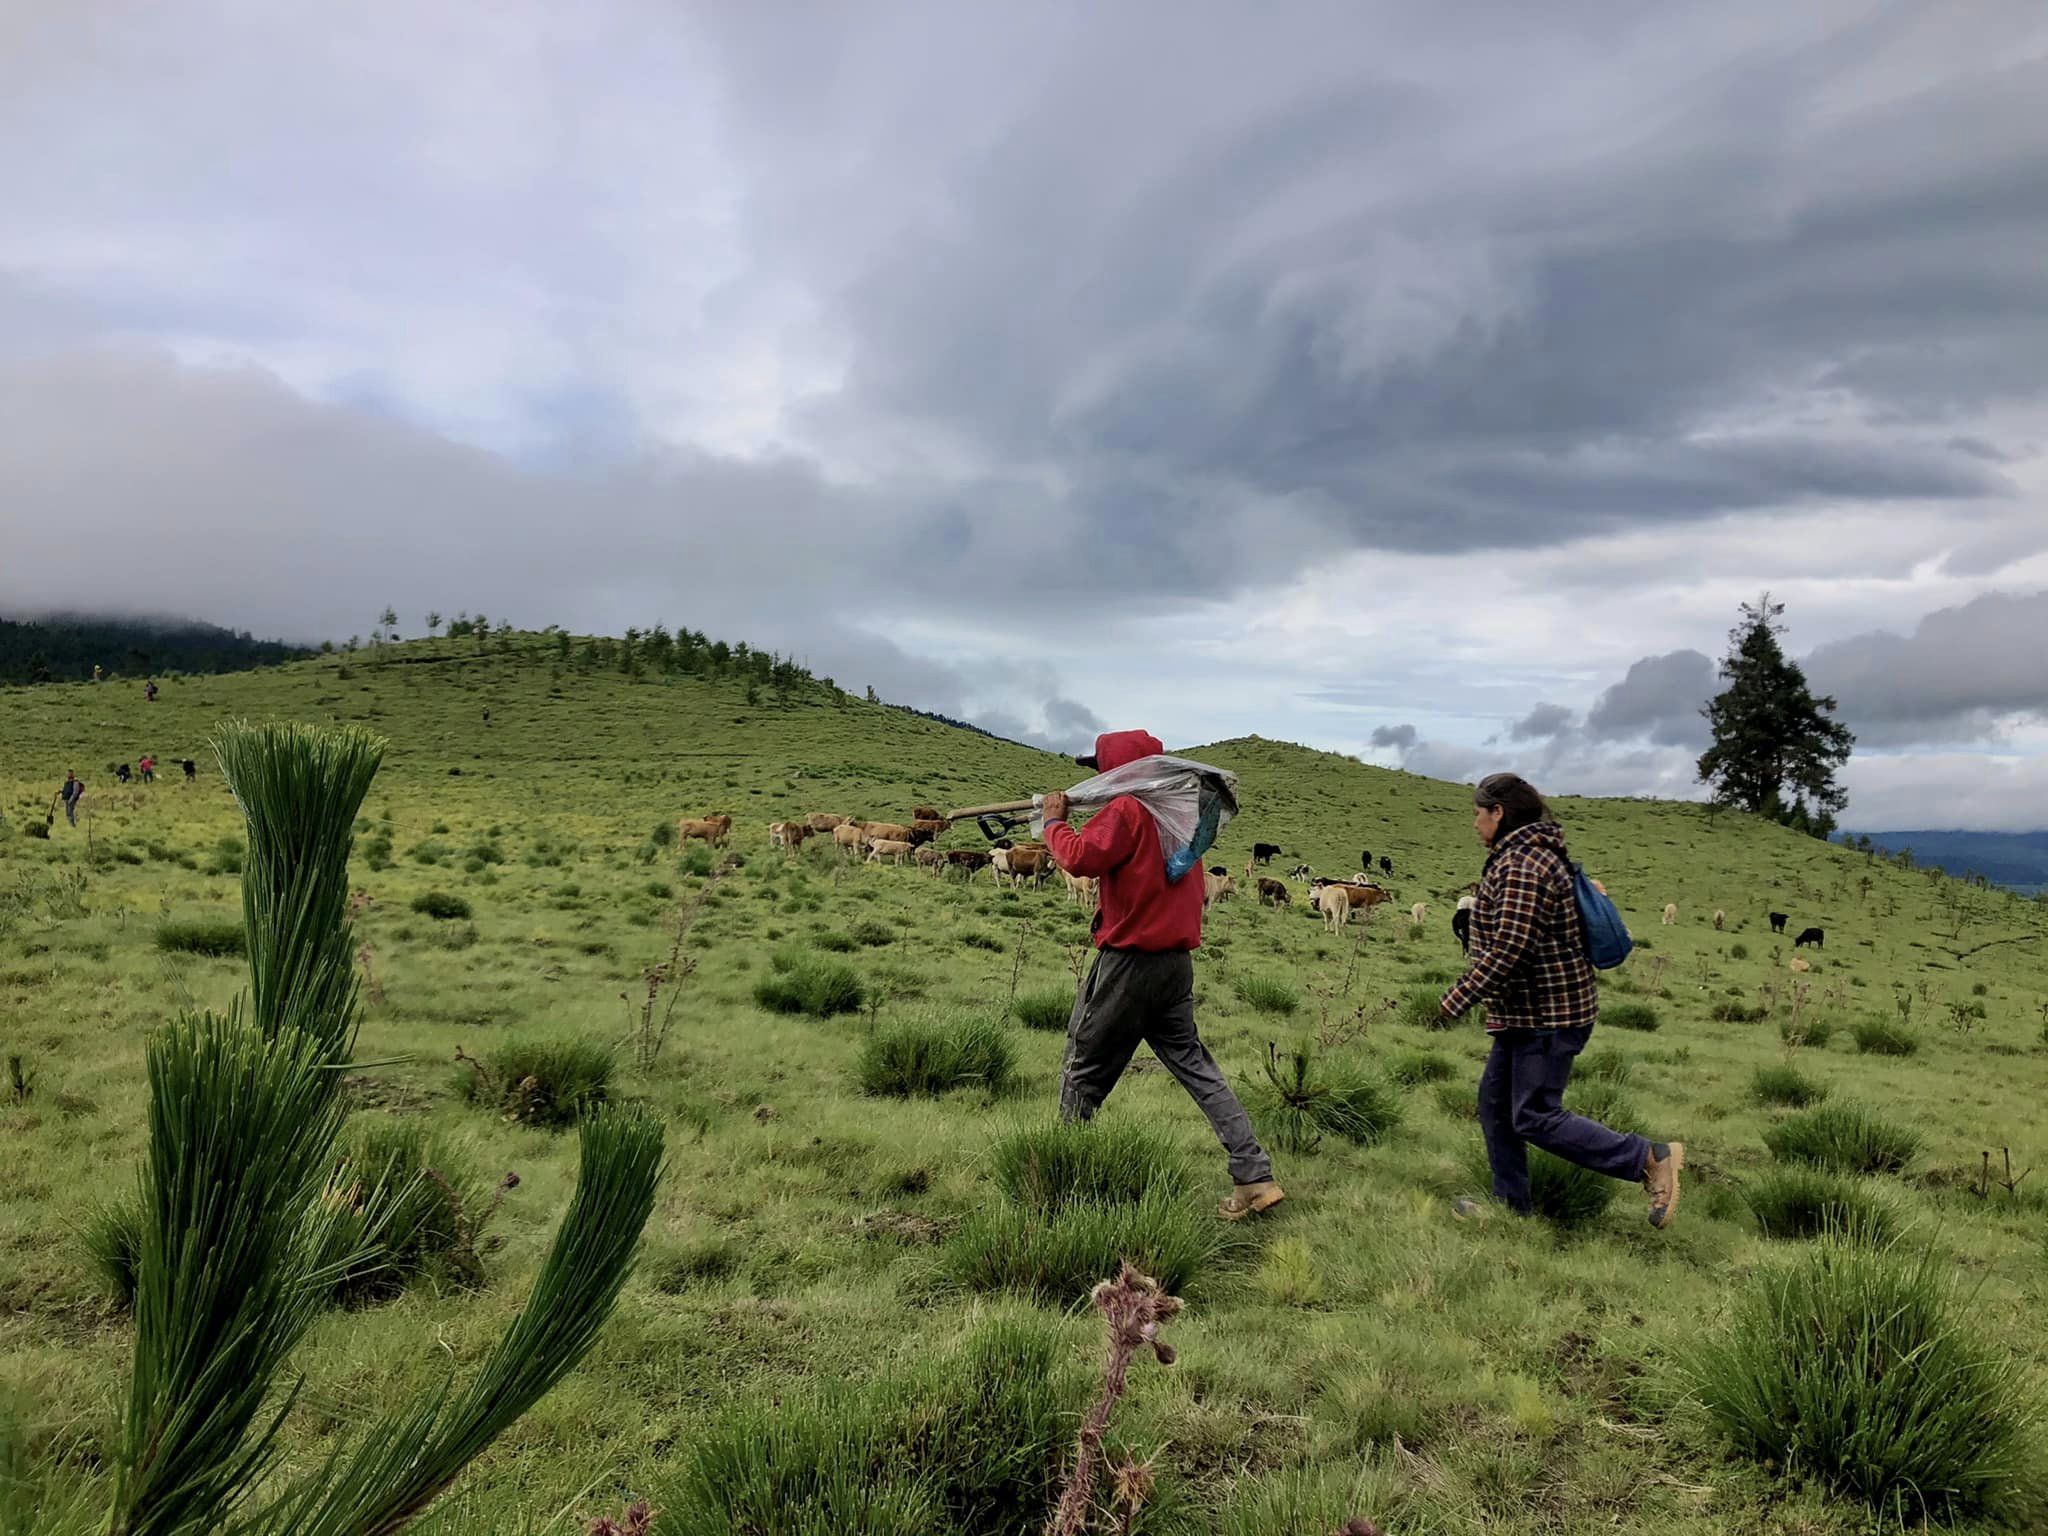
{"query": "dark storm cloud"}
pixel 1399 737
pixel 1659 700
pixel 1959 673
pixel 1541 723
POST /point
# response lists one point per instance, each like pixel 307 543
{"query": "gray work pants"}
pixel 1130 997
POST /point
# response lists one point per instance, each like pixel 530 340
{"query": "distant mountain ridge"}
pixel 65 647
pixel 2018 860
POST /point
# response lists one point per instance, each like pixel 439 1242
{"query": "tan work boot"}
pixel 1248 1199
pixel 1660 1178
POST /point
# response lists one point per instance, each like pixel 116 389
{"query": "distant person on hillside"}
pixel 191 769
pixel 149 691
pixel 121 772
pixel 1529 967
pixel 1142 986
pixel 96 672
pixel 147 767
pixel 72 792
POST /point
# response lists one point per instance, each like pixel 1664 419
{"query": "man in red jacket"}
pixel 1142 986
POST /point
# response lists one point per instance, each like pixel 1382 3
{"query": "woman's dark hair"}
pixel 1519 804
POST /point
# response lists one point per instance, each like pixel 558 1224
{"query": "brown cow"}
pixel 967 860
pixel 847 836
pixel 1215 887
pixel 787 834
pixel 713 830
pixel 1015 864
pixel 928 829
pixel 926 813
pixel 895 832
pixel 818 821
pixel 931 859
pixel 1273 892
pixel 892 849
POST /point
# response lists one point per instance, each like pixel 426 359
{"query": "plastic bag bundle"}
pixel 1190 803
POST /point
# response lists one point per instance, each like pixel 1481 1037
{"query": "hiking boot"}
pixel 1660 1178
pixel 1248 1199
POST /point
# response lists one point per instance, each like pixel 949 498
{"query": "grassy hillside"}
pixel 819 1247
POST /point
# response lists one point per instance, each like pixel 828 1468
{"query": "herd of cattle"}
pixel 912 842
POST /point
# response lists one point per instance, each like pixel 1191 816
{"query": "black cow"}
pixel 1219 869
pixel 1811 936
pixel 1386 865
pixel 1365 859
pixel 1262 852
pixel 1461 925
pixel 1778 921
pixel 191 768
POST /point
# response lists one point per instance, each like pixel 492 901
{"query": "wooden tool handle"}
pixel 1009 806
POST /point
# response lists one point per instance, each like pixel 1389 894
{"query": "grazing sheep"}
pixel 1670 913
pixel 711 830
pixel 1273 892
pixel 1812 936
pixel 1778 922
pixel 1801 963
pixel 1418 912
pixel 895 850
pixel 1720 919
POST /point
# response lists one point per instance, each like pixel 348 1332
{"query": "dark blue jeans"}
pixel 1521 1100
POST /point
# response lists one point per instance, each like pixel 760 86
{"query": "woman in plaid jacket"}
pixel 1529 967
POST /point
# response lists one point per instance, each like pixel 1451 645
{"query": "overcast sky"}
pixel 1424 382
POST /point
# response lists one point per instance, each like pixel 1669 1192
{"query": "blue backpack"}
pixel 1607 940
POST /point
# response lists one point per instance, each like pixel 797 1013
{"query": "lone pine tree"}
pixel 1772 737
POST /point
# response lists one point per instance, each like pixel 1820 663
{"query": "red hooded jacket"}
pixel 1139 908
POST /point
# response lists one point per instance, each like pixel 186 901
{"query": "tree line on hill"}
pixel 66 648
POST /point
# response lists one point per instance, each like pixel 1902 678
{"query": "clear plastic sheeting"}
pixel 1190 802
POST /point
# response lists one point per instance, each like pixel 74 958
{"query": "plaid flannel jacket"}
pixel 1529 961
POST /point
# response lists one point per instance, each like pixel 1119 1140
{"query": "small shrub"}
pixel 1879 1036
pixel 1304 1098
pixel 1266 994
pixel 226 858
pixel 1865 1370
pixel 1814 1032
pixel 217 938
pixel 834 943
pixel 1560 1192
pixel 1845 1137
pixel 917 1058
pixel 1802 1201
pixel 1738 1013
pixel 982 941
pixel 873 934
pixel 1606 1064
pixel 440 905
pixel 1603 1100
pixel 112 1235
pixel 1410 1068
pixel 1422 1008
pixel 1637 1016
pixel 1047 1168
pixel 540 1082
pixel 799 983
pixel 1458 1100
pixel 1060 1258
pixel 1045 1008
pixel 697 861
pixel 1787 1085
pixel 1738 951
pixel 418 1210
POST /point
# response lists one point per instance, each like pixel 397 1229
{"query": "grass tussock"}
pixel 1051 1167
pixel 1412 1068
pixel 1781 1083
pixel 1267 994
pixel 1047 1008
pixel 1058 1259
pixel 923 1058
pixel 1421 1008
pixel 441 906
pixel 802 983
pixel 1637 1016
pixel 1865 1370
pixel 971 1443
pixel 1844 1137
pixel 1799 1200
pixel 1307 1094
pixel 540 1082
pixel 215 938
pixel 1879 1036
pixel 1562 1193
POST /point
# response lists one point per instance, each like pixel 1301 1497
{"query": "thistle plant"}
pixel 238 1245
